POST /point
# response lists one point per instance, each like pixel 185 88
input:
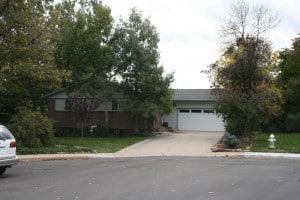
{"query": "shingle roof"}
pixel 179 94
pixel 193 95
pixel 54 92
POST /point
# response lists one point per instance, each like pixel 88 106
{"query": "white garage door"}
pixel 199 119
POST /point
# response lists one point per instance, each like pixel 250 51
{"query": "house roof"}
pixel 49 95
pixel 179 94
pixel 193 95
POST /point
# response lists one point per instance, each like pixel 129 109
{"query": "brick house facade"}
pixel 107 114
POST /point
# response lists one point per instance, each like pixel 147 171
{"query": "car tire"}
pixel 2 170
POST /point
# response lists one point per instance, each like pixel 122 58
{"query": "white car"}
pixel 8 146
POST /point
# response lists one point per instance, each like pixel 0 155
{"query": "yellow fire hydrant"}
pixel 272 141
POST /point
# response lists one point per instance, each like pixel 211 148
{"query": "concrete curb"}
pixel 44 157
pixel 47 157
pixel 101 155
pixel 270 155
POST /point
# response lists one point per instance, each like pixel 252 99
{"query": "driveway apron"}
pixel 186 143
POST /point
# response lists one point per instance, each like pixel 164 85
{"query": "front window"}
pixel 208 111
pixel 184 111
pixel 115 105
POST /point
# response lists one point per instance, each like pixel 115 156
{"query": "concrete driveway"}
pixel 186 143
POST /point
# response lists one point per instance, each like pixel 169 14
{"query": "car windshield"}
pixel 5 134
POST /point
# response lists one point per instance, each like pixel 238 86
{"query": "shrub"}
pixel 230 140
pixel 293 122
pixel 32 128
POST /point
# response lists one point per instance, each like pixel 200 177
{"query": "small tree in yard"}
pixel 81 107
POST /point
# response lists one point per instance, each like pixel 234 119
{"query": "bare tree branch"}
pixel 236 25
pixel 263 20
pixel 244 21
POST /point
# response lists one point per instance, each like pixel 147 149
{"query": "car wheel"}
pixel 2 170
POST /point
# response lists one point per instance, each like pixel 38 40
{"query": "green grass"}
pixel 84 145
pixel 286 143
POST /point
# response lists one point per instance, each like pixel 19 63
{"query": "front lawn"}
pixel 286 143
pixel 85 144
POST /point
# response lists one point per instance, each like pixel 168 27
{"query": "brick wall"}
pixel 115 119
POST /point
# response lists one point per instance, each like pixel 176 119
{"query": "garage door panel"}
pixel 199 121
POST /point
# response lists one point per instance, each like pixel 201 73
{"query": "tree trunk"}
pixel 106 121
pixel 80 126
pixel 136 124
pixel 151 124
pixel 81 129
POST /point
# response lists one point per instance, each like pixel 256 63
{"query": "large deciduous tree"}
pixel 27 69
pixel 82 42
pixel 137 65
pixel 243 77
pixel 247 95
pixel 289 80
pixel 81 39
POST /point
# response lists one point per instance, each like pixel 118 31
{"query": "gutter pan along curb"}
pixel 270 155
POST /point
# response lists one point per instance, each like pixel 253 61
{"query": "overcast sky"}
pixel 188 31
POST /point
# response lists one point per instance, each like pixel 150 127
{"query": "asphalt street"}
pixel 168 178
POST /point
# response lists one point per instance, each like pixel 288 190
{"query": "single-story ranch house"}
pixel 193 110
pixel 108 114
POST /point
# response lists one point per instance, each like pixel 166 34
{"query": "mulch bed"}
pixel 244 145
